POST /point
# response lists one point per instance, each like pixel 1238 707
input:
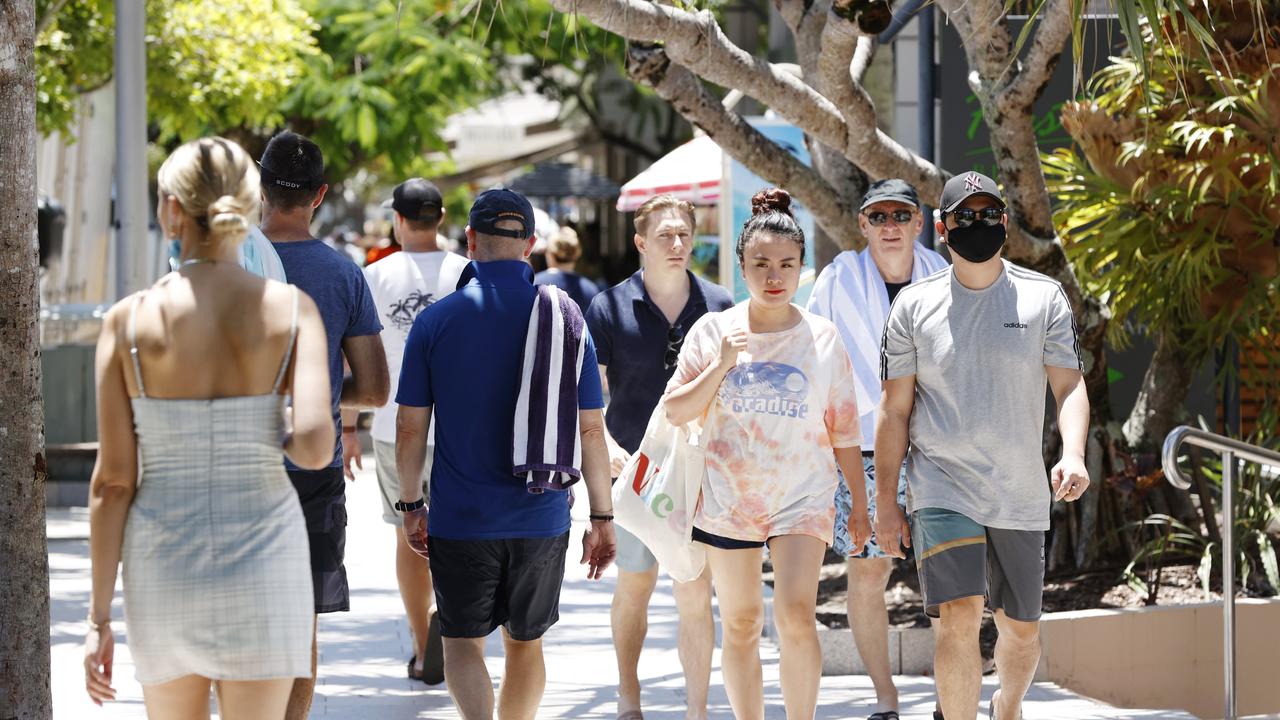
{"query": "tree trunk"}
pixel 24 568
pixel 1160 404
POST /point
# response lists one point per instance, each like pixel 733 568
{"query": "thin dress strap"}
pixel 293 338
pixel 133 343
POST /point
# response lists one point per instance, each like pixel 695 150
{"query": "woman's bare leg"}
pixel 736 576
pixel 797 562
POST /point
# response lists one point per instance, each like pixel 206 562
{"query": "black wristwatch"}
pixel 406 507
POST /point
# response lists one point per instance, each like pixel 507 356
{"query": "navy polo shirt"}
pixel 463 359
pixel 631 336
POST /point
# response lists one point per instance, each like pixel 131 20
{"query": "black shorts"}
pixel 724 543
pixel 323 494
pixel 483 584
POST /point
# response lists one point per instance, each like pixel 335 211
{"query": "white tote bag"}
pixel 657 493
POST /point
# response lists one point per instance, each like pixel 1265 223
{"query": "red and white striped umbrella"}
pixel 690 172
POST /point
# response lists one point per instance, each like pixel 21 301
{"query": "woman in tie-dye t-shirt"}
pixel 774 387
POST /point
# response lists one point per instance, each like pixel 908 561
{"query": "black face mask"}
pixel 976 243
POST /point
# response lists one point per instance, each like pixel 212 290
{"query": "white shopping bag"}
pixel 657 493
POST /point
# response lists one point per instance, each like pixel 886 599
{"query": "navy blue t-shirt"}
pixel 633 339
pixel 340 292
pixel 463 359
pixel 579 288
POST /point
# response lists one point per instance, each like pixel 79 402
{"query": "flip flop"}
pixel 885 715
pixel 631 715
pixel 413 674
pixel 433 661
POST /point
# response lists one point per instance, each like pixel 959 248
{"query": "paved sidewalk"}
pixel 363 653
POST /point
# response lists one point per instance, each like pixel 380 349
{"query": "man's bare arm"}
pixel 369 384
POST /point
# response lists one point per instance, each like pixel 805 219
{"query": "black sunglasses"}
pixel 879 217
pixel 675 338
pixel 965 217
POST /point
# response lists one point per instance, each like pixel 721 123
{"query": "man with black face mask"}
pixel 964 362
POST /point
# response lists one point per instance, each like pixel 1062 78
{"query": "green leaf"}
pixel 367 129
pixel 1205 571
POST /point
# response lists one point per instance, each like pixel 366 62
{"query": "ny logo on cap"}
pixel 972 182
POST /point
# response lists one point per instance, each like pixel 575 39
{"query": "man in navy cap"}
pixel 497 549
pixel 965 357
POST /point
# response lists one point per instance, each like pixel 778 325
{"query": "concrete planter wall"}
pixel 1166 657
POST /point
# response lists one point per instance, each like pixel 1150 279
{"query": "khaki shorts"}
pixel 384 460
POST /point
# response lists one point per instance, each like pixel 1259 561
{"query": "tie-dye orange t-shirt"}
pixel 789 400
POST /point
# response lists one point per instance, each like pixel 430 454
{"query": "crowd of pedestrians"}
pixel 900 414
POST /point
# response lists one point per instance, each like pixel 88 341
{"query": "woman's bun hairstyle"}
pixel 770 213
pixel 771 200
pixel 227 222
pixel 216 183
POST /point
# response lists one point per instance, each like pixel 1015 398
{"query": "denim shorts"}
pixel 844 505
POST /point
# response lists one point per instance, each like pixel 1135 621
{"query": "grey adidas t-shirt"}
pixel 979 359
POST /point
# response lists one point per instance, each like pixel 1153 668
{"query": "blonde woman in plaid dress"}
pixel 189 492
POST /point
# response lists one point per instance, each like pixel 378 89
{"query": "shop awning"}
pixel 690 172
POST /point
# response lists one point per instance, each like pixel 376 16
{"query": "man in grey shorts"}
pixel 965 358
pixel 638 327
pixel 404 284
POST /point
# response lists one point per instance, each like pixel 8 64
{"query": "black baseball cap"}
pixel 292 162
pixel 497 204
pixel 890 190
pixel 416 199
pixel 964 186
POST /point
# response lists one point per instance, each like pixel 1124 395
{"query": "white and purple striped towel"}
pixel 547 451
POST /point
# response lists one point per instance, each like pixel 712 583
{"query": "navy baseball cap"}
pixel 964 186
pixel 890 190
pixel 416 199
pixel 497 204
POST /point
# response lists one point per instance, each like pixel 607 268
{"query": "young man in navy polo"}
pixel 639 326
pixel 497 550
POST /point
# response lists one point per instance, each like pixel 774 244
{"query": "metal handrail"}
pixel 1232 450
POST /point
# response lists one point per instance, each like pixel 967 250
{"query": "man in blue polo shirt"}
pixel 497 551
pixel 639 326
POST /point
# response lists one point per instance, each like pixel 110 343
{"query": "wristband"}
pixel 346 430
pixel 410 506
pixel 600 518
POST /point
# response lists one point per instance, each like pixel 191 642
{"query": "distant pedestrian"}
pixel 773 387
pixel 639 326
pixel 189 491
pixel 403 285
pixel 855 292
pixel 562 256
pixel 293 187
pixel 966 357
pixel 519 421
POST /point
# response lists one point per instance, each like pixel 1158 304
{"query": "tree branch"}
pixel 879 155
pixel 1034 72
pixel 680 87
pixel 863 55
pixel 696 41
pixel 49 15
pixel 984 34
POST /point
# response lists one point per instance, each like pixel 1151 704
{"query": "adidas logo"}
pixel 1016 325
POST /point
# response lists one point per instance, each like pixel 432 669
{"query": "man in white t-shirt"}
pixel 403 284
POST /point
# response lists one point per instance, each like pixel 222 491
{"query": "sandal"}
pixel 413 674
pixel 631 715
pixel 937 715
pixel 885 715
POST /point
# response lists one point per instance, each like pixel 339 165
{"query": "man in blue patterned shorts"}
pixel 855 292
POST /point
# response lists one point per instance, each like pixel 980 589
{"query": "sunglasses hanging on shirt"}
pixel 675 338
